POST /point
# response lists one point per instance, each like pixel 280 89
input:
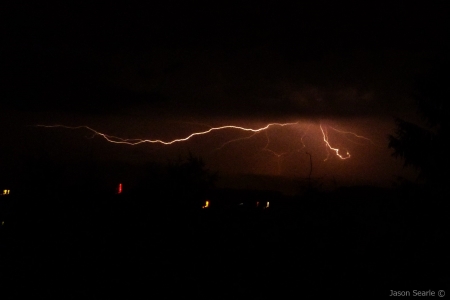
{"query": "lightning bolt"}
pixel 277 155
pixel 253 132
pixel 346 133
pixel 134 142
pixel 236 140
pixel 303 136
pixel 327 143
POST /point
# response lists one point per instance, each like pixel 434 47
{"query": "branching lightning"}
pixel 327 143
pixel 277 155
pixel 342 154
pixel 303 136
pixel 346 133
pixel 236 140
pixel 134 142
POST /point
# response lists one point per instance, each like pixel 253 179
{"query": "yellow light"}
pixel 267 205
pixel 206 204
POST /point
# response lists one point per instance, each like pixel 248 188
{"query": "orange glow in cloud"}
pixel 134 142
pixel 253 132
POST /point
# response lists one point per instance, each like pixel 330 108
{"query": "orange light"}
pixel 120 189
pixel 257 203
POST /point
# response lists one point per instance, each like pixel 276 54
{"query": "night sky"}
pixel 165 71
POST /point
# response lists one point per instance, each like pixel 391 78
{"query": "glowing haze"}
pixel 250 96
pixel 338 152
pixel 135 141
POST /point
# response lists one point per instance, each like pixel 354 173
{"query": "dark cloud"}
pixel 306 59
pixel 247 82
pixel 261 82
pixel 164 70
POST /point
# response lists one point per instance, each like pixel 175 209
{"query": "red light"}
pixel 120 189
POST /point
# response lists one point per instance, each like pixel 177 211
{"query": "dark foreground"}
pixel 358 243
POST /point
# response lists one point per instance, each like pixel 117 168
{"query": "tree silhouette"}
pixel 425 147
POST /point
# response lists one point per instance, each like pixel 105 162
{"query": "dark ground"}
pixel 358 242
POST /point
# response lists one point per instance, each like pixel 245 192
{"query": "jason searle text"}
pixel 418 293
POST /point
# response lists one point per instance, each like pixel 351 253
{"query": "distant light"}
pixel 6 192
pixel 119 191
pixel 257 203
pixel 267 205
pixel 241 203
pixel 3 223
pixel 206 204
